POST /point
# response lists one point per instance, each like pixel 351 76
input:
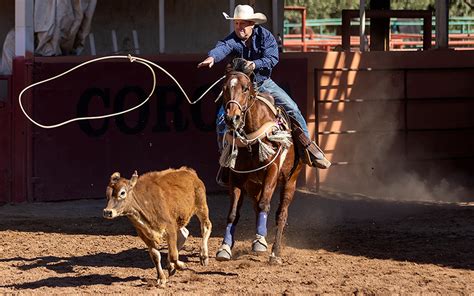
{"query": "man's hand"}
pixel 209 62
pixel 250 65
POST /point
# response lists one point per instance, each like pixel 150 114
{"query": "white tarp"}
pixel 8 53
pixel 61 26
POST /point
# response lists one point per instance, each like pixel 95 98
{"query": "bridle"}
pixel 249 99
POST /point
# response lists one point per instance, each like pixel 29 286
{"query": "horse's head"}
pixel 238 93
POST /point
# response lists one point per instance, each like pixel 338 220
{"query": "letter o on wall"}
pixel 143 111
pixel 83 111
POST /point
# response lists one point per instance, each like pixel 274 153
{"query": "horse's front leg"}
pixel 224 253
pixel 263 208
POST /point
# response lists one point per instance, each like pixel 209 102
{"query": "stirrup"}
pixel 222 178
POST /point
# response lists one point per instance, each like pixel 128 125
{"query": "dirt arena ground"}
pixel 335 244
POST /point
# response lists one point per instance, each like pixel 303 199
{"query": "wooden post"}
pixel 380 27
pixel 442 24
pixel 346 30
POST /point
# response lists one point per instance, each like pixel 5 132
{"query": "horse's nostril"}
pixel 236 120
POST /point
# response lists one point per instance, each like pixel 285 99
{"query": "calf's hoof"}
pixel 175 266
pixel 259 244
pixel 275 260
pixel 204 261
pixel 171 270
pixel 224 253
pixel 161 282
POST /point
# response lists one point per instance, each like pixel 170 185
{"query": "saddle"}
pixel 307 150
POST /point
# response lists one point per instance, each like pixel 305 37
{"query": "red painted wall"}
pixel 75 161
pixel 5 142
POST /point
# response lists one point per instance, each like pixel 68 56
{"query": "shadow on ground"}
pixel 420 232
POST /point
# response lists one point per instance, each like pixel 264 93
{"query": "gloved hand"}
pixel 243 65
pixel 208 62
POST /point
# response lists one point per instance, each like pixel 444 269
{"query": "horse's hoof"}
pixel 274 260
pixel 183 234
pixel 224 253
pixel 259 244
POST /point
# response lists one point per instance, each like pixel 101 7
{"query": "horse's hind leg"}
pixel 286 197
pixel 224 252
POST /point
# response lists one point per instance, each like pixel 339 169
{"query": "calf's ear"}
pixel 133 179
pixel 115 177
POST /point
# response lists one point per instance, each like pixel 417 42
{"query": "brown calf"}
pixel 159 204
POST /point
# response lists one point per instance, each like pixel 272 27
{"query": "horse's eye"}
pixel 246 89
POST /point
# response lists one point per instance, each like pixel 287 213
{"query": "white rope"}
pixel 245 140
pixel 132 59
pixel 259 168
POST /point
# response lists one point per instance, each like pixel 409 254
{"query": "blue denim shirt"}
pixel 263 51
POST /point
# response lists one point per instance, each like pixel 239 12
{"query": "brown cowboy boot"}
pixel 310 153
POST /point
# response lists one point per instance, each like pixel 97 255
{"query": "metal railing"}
pixel 457 25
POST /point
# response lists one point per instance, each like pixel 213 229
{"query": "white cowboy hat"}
pixel 245 13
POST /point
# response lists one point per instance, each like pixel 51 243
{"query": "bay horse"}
pixel 259 151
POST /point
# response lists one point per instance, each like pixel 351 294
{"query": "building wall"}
pixel 190 26
pixel 397 123
pixel 393 123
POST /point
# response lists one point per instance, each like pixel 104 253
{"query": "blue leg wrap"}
pixel 262 224
pixel 229 234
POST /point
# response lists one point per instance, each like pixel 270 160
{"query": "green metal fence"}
pixel 457 25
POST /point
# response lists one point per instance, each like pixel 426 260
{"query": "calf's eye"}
pixel 122 193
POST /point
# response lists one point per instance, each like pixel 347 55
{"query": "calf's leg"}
pixel 156 258
pixel 206 228
pixel 202 212
pixel 174 262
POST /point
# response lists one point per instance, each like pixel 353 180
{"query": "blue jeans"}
pixel 281 99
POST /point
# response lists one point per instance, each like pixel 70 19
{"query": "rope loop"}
pixel 129 57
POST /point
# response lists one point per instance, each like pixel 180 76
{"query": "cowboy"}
pixel 258 46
